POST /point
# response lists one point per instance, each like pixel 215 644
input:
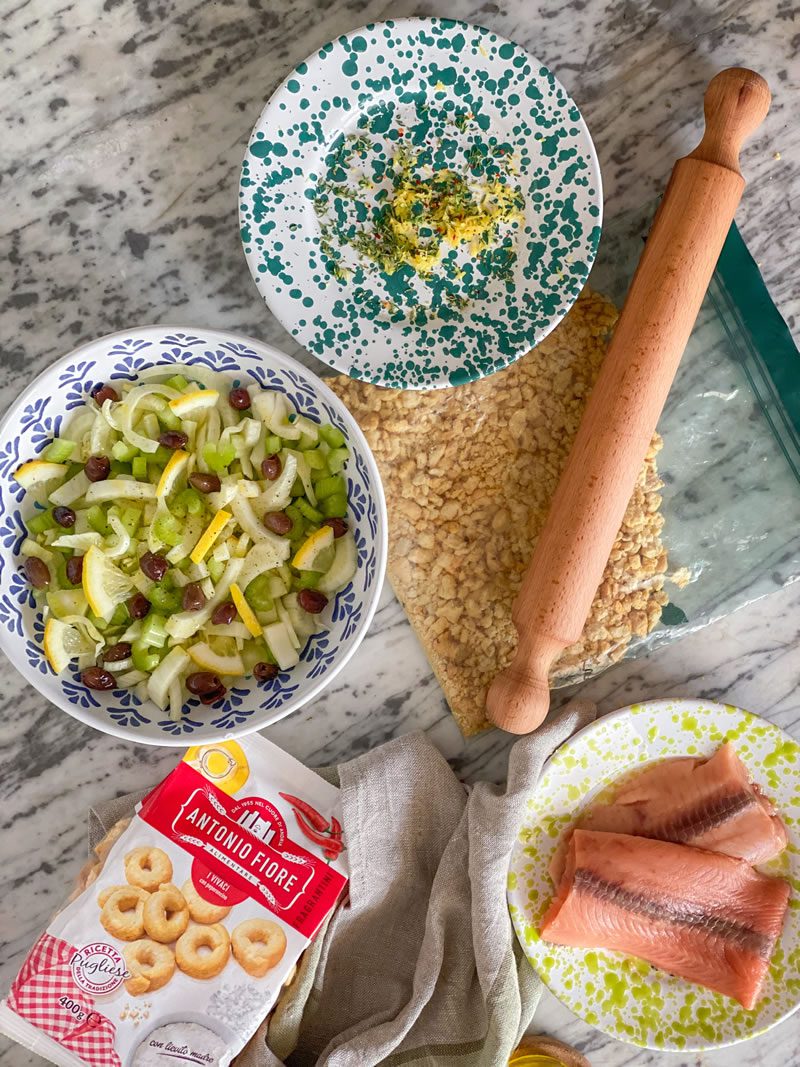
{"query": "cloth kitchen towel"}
pixel 421 967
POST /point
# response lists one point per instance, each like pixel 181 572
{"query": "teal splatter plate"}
pixel 393 108
pixel 621 995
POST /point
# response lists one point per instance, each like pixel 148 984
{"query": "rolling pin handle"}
pixel 735 104
pixel 519 696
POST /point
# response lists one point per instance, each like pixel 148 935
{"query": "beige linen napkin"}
pixel 421 967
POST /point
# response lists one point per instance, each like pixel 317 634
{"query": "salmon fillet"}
pixel 705 917
pixel 709 803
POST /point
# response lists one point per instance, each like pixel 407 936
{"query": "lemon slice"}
pixel 210 660
pixel 104 584
pixel 63 642
pixel 223 763
pixel 192 403
pixel 38 471
pixel 307 557
pixel 246 613
pixel 171 473
pixel 210 535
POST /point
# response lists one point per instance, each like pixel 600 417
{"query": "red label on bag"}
pixel 244 848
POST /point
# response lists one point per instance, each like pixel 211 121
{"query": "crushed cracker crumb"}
pixel 469 474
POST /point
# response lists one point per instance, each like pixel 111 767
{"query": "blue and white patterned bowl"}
pixel 32 422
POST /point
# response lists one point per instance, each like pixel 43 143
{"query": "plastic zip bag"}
pixel 731 432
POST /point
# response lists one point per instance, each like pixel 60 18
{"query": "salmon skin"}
pixel 705 917
pixel 708 803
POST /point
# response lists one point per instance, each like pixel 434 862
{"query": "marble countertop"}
pixel 124 124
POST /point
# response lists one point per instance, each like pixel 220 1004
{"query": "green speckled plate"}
pixel 621 995
pixel 431 96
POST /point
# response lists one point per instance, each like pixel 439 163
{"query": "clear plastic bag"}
pixel 731 433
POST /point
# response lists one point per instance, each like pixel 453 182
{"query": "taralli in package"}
pixel 178 947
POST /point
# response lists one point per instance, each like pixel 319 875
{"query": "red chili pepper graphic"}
pixel 315 818
pixel 334 849
pixel 311 832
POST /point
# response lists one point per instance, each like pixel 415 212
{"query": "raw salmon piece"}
pixel 709 803
pixel 703 916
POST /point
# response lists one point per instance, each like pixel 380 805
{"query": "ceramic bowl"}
pixel 32 422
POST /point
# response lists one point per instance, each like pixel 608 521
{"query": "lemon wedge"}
pixel 246 613
pixel 104 584
pixel 38 471
pixel 210 660
pixel 63 642
pixel 209 536
pixel 191 403
pixel 223 763
pixel 173 470
pixel 307 557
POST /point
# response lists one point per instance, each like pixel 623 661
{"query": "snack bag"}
pixel 181 946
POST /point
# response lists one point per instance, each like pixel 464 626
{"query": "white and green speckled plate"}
pixel 621 995
pixel 324 156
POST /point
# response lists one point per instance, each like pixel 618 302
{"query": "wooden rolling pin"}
pixel 665 295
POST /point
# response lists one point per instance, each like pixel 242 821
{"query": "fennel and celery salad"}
pixel 186 531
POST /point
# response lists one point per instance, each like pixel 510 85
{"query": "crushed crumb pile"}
pixel 469 474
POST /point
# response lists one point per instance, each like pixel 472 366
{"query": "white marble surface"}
pixel 124 123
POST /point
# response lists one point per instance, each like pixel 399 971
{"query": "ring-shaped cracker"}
pixel 148 867
pixel 165 914
pixel 150 966
pixel 207 964
pixel 258 945
pixel 202 911
pixel 122 914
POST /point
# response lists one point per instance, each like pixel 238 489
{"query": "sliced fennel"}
pixel 171 424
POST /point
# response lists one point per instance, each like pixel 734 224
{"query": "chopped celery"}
pixel 154 473
pixel 298 525
pixel 306 442
pixel 272 445
pixel 337 459
pixel 130 519
pixel 59 451
pixel 309 512
pixel 154 633
pixel 307 580
pixel 215 569
pixel 41 521
pixel 123 452
pixel 99 624
pixel 257 594
pixel 165 599
pixel 335 438
pixel 97 520
pixel 72 470
pixel 161 455
pixel 334 507
pixel 120 616
pixel 333 486
pixel 139 467
pixel 316 460
pixel 117 469
pixel 169 419
pixel 144 659
pixel 189 500
pixel 219 457
pixel 177 381
pixel 298 488
pixel 167 529
pixel 62 580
